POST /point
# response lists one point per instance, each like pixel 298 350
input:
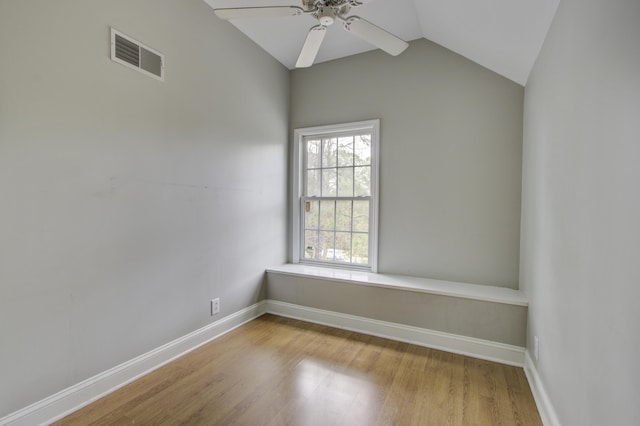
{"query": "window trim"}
pixel 299 135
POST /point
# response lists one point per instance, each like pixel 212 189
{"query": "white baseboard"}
pixel 545 408
pixel 71 399
pixel 478 348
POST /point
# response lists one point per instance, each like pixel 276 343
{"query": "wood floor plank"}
pixel 279 371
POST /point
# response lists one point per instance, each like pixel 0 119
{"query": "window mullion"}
pixel 353 165
pixel 351 235
pixel 353 189
pixel 335 225
pixel 319 227
pixel 321 168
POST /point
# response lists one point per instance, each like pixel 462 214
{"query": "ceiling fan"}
pixel 326 12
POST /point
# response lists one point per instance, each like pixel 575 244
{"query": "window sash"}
pixel 305 227
pixel 336 169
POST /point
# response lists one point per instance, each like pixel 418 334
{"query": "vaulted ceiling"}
pixel 504 36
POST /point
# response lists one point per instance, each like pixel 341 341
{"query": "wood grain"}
pixel 279 371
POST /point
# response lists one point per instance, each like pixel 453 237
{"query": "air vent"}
pixel 135 55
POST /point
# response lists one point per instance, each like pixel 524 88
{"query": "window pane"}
pixel 310 245
pixel 329 152
pixel 362 181
pixel 326 246
pixel 329 177
pixel 360 248
pixel 327 215
pixel 363 150
pixel 311 214
pixel 313 183
pixel 343 215
pixel 345 182
pixel 343 247
pixel 345 151
pixel 361 216
pixel 313 154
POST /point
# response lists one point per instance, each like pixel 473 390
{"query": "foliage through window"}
pixel 337 196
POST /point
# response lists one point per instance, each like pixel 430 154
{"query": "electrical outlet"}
pixel 215 306
pixel 536 347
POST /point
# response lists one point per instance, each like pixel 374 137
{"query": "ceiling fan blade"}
pixel 311 46
pixel 257 12
pixel 375 35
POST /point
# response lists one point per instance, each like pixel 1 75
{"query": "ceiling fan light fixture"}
pixel 326 16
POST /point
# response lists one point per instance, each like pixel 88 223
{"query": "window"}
pixel 335 199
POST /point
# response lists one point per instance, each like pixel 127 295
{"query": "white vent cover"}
pixel 135 55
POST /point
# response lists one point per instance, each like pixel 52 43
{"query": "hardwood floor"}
pixel 278 371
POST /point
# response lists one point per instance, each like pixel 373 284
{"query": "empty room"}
pixel 320 212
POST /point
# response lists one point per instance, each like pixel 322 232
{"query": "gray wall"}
pixel 126 204
pixel 581 211
pixel 450 158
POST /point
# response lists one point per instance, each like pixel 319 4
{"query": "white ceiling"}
pixel 502 35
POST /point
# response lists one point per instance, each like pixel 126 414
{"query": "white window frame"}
pixel 299 136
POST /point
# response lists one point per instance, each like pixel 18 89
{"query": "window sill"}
pixel 401 282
